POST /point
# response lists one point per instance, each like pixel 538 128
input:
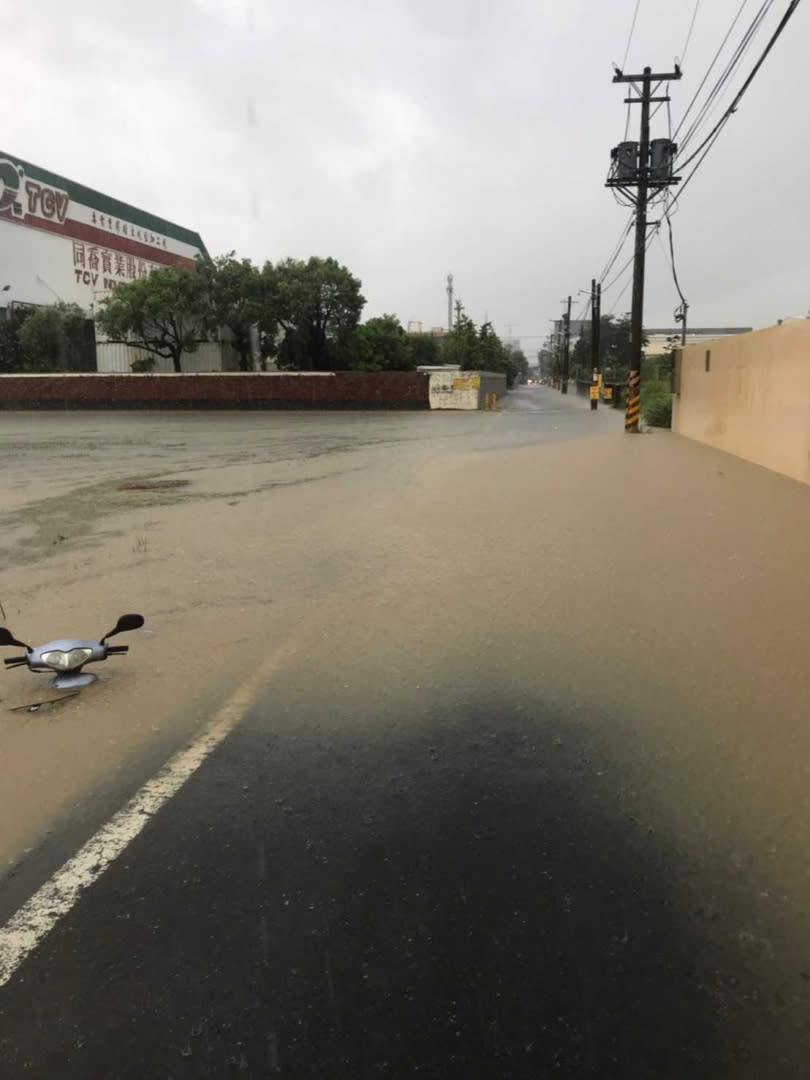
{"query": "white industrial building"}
pixel 62 241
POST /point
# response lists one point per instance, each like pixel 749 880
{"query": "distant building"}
pixel 657 336
pixel 417 327
pixel 578 327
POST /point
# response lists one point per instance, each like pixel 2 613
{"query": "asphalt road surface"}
pixel 526 795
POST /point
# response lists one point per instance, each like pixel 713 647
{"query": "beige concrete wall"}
pixel 754 401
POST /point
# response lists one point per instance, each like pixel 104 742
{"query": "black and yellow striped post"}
pixel 631 416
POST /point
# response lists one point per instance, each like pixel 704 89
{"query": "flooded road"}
pixel 525 795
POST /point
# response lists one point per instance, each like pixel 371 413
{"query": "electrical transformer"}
pixel 662 156
pixel 625 156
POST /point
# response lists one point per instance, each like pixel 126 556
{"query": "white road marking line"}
pixel 38 916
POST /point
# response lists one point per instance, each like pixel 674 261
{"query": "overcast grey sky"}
pixel 412 137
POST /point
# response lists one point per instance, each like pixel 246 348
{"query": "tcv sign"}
pixel 22 196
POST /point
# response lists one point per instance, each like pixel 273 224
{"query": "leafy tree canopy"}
pixel 53 338
pixel 241 298
pixel 12 356
pixel 381 344
pixel 425 351
pixel 318 307
pixel 165 314
pixel 614 349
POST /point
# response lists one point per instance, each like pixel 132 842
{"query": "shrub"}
pixel 656 404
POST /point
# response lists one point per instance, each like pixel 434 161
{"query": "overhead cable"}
pixel 712 136
pixel 630 35
pixel 716 57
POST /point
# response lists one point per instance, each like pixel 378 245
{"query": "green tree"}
pixel 491 355
pixel 614 350
pixel 546 359
pixel 460 347
pixel 12 355
pixel 521 364
pixel 164 314
pixel 318 307
pixel 381 344
pixel 425 351
pixel 481 350
pixel 53 338
pixel 240 297
pixel 494 356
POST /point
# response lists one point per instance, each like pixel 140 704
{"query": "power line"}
pixel 689 32
pixel 623 293
pixel 617 251
pixel 620 297
pixel 672 258
pixel 613 281
pixel 680 64
pixel 709 141
pixel 710 67
pixel 685 184
pixel 629 262
pixel 630 35
pixel 718 88
pixel 609 264
pixel 660 105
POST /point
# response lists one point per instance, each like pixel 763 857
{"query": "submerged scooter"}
pixel 67 656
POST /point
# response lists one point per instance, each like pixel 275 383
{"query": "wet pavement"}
pixel 528 798
pixel 63 472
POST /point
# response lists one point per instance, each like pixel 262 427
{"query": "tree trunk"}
pixel 176 354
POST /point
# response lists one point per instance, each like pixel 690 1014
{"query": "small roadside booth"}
pixel 452 388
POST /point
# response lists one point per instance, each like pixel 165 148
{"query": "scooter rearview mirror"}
pixel 125 622
pixel 7 638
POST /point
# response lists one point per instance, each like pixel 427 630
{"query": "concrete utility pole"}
pixel 633 169
pixel 596 315
pixel 449 302
pixel 566 345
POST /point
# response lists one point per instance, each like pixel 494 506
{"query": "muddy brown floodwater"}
pixel 651 593
pixel 225 529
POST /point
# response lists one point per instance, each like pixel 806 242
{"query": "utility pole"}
pixel 681 318
pixel 596 315
pixel 565 348
pixel 635 167
pixel 459 312
pixel 449 303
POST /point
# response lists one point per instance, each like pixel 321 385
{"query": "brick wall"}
pixel 341 390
